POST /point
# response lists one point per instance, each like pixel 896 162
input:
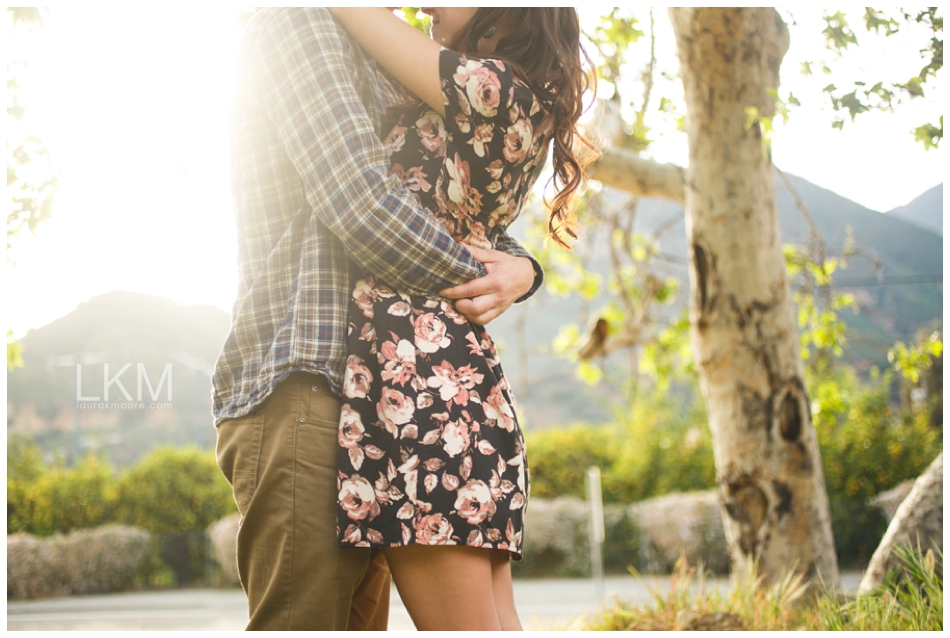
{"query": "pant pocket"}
pixel 318 405
pixel 238 452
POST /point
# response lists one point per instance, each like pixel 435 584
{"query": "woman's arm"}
pixel 408 54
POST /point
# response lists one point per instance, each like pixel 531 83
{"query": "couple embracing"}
pixel 363 418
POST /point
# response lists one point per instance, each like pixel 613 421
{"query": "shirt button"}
pixel 301 420
pixel 316 388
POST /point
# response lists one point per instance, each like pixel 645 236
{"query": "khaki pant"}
pixel 281 463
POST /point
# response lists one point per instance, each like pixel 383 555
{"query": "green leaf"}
pixel 929 135
pixel 416 18
pixel 752 116
pixel 838 35
pixel 911 360
pixel 873 20
pixel 590 373
pixel 14 352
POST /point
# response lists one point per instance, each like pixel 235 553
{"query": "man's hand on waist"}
pixel 483 299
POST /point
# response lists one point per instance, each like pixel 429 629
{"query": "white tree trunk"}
pixel 743 332
pixel 919 518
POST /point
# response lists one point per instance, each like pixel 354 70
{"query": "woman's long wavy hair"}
pixel 546 53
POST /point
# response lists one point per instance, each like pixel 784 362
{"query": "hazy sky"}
pixel 133 103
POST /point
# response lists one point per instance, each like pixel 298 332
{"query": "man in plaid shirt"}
pixel 315 206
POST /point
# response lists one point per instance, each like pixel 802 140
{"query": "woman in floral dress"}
pixel 430 449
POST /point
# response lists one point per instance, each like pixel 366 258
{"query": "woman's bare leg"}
pixel 503 592
pixel 446 588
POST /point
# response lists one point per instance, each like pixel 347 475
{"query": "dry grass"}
pixel 913 602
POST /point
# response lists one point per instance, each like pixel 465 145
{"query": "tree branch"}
pixel 628 171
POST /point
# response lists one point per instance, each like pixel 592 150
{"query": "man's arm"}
pixel 307 73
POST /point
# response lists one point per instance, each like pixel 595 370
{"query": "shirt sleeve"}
pixel 308 74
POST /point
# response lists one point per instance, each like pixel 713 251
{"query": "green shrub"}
pixel 176 494
pixel 62 499
pixel 866 448
pixel 172 491
pixel 169 491
pixel 662 448
pixel 173 494
pixel 559 458
pixel 659 449
pixel 24 466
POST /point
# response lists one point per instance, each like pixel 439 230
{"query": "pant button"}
pixel 316 388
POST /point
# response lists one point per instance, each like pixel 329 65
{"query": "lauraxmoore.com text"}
pixel 102 400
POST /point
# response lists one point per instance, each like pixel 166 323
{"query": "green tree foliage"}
pixel 636 300
pixel 865 96
pixel 14 352
pixel 823 332
pixel 911 360
pixel 31 175
pixel 24 467
pixel 866 448
pixel 43 499
pixel 416 18
pixel 613 37
pixel 172 491
pixel 168 491
pixel 559 458
pixel 660 448
pixel 65 499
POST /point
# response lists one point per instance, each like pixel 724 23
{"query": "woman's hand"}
pixel 483 299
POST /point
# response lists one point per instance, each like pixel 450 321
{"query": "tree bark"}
pixel 918 519
pixel 743 331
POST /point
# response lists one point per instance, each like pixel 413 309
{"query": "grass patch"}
pixel 911 600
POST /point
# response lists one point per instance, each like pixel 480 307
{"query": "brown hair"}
pixel 546 53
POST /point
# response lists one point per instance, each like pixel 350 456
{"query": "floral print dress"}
pixel 429 446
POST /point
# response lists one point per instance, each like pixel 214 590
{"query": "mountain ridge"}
pixel 925 210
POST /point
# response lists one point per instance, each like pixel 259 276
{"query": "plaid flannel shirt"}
pixel 315 205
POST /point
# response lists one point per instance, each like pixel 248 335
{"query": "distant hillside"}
pixel 926 211
pixel 115 329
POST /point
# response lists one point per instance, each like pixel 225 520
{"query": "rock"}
pixel 687 620
pixel 687 524
pixel 223 535
pixel 918 519
pixel 890 500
